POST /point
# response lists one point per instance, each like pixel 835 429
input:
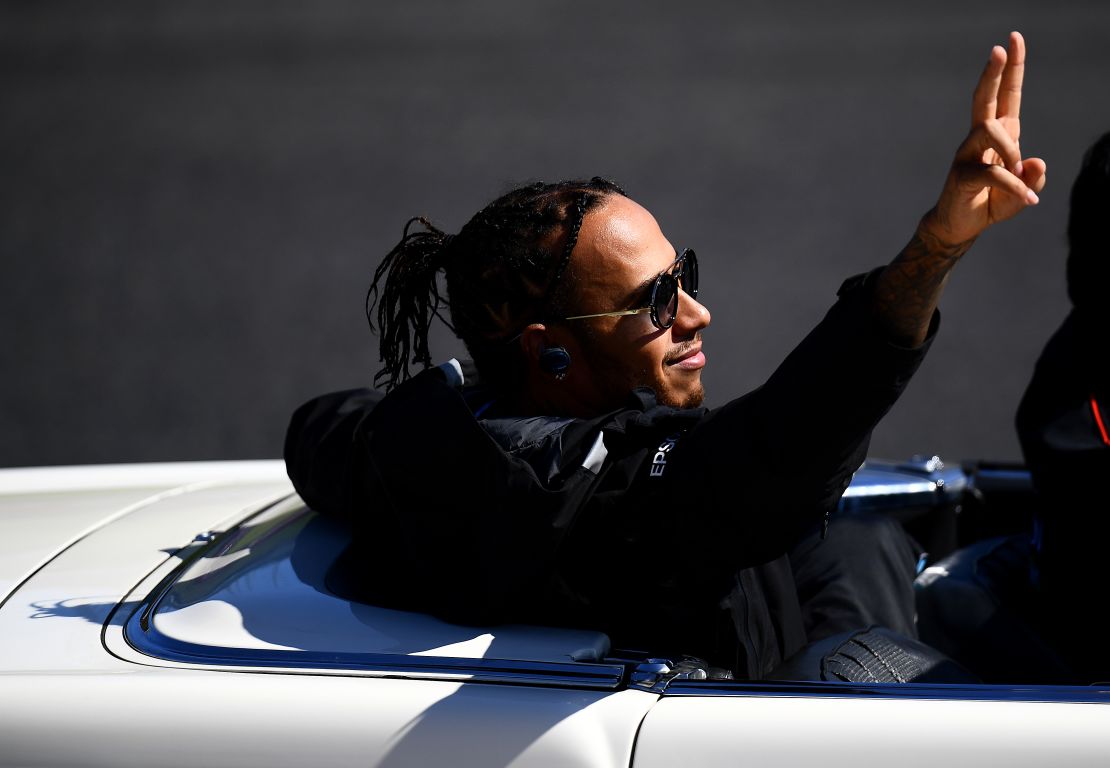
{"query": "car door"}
pixel 832 725
pixel 383 686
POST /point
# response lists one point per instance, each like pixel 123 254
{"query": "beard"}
pixel 694 398
pixel 617 382
pixel 691 398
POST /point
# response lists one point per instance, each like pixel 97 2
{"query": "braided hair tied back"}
pixel 410 297
pixel 503 270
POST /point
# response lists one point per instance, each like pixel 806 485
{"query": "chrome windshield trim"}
pixel 1094 694
pixel 149 642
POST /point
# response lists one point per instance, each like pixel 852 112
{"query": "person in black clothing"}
pixel 1064 417
pixel 1063 424
pixel 579 481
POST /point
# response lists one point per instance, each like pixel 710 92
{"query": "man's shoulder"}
pixel 520 433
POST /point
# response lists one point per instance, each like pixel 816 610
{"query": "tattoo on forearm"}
pixel 908 289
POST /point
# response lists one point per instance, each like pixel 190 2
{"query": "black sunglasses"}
pixel 663 304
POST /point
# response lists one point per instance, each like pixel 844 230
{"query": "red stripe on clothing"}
pixel 1098 420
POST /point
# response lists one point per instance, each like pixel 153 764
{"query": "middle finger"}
pixel 1009 92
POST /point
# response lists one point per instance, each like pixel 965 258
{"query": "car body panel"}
pixel 43 510
pixel 846 732
pixel 26 544
pixel 54 619
pixel 187 717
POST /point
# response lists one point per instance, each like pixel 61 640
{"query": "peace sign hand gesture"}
pixel 988 181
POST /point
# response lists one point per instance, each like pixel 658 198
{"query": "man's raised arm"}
pixel 987 183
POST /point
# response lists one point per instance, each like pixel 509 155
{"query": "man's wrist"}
pixel 937 239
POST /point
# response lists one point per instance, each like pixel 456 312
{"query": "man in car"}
pixel 579 482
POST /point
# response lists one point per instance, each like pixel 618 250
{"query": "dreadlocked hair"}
pixel 502 271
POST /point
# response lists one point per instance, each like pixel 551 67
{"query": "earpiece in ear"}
pixel 556 361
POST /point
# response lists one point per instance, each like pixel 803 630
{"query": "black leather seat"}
pixel 872 655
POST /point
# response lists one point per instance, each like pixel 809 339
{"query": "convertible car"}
pixel 179 614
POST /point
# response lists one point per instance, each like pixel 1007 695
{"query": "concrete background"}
pixel 193 195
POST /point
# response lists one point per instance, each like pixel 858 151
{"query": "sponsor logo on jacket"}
pixel 659 462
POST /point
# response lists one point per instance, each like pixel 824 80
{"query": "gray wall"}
pixel 194 194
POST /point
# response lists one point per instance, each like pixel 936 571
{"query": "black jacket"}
pixel 1063 423
pixel 637 522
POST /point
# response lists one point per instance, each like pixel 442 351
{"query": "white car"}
pixel 179 614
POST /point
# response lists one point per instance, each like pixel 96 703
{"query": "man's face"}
pixel 620 252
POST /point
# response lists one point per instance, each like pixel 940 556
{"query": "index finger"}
pixel 984 104
pixel 1009 92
